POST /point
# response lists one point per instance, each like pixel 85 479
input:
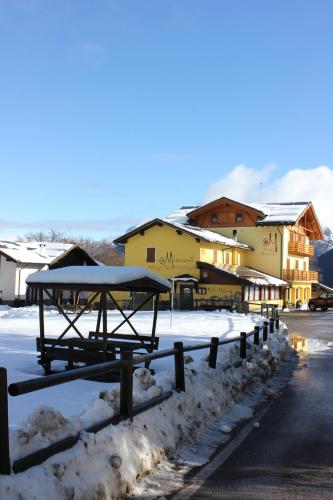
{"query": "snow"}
pixel 211 236
pixel 252 275
pixel 33 252
pixel 199 232
pixel 180 216
pixel 95 275
pixel 280 212
pixel 274 212
pixel 107 464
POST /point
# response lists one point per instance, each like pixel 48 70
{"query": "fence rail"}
pixel 125 365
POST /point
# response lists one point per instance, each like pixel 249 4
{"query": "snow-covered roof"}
pixel 246 273
pixel 275 213
pixel 199 232
pixel 179 216
pixel 285 212
pixel 95 275
pixel 210 236
pixel 33 252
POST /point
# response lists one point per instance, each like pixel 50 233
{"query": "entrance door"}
pixel 185 297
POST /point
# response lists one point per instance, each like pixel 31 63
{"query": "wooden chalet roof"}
pixel 244 275
pixel 272 214
pixel 215 203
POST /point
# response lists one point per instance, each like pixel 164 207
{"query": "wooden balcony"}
pixel 297 275
pixel 297 248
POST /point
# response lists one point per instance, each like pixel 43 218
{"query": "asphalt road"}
pixel 291 454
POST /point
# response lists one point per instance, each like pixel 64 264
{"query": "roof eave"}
pixel 199 210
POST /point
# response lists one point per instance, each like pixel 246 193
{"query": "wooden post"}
pixel 126 384
pixel 179 367
pixel 246 307
pixel 261 309
pixel 277 321
pixel 4 437
pixel 213 352
pixel 42 329
pixel 256 339
pixel 242 346
pixel 265 331
pixel 271 325
pixel 104 323
pixel 156 300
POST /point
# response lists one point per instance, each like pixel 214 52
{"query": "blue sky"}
pixel 115 111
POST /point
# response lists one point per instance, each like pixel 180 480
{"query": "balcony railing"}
pixel 297 275
pixel 297 248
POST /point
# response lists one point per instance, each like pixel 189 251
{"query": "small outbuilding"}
pixel 106 340
pixel 18 259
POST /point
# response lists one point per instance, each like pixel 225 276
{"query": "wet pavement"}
pixel 290 455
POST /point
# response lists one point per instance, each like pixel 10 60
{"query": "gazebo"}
pixel 100 282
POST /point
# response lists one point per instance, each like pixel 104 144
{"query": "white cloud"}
pixel 311 184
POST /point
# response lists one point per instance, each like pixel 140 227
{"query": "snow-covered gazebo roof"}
pixel 99 278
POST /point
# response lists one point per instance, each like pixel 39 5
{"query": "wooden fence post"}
pixel 256 339
pixel 277 321
pixel 242 346
pixel 4 437
pixel 265 331
pixel 179 366
pixel 271 325
pixel 213 352
pixel 126 384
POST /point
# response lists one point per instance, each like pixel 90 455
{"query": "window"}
pixel 214 217
pixel 150 255
pixel 238 217
pixel 202 291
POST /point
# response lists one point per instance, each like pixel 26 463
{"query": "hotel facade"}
pixel 231 251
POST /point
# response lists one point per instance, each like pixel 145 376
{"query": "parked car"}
pixel 324 301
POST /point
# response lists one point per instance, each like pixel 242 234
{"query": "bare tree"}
pixel 100 250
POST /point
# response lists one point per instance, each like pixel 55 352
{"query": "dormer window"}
pixel 214 218
pixel 238 217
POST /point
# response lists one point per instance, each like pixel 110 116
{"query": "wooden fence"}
pixel 127 411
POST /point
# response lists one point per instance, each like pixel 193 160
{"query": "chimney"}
pixel 42 250
pixel 234 234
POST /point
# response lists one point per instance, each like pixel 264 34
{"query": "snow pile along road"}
pixel 108 464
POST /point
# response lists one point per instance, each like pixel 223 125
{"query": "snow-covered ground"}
pixel 19 328
pixel 107 464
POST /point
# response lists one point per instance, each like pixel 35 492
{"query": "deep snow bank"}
pixel 107 464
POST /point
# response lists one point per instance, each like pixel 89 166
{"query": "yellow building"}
pixel 281 234
pixel 203 263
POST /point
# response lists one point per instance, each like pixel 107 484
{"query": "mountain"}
pixel 323 246
pixel 323 258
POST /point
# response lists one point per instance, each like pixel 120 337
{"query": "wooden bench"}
pixel 91 350
pixel 134 342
